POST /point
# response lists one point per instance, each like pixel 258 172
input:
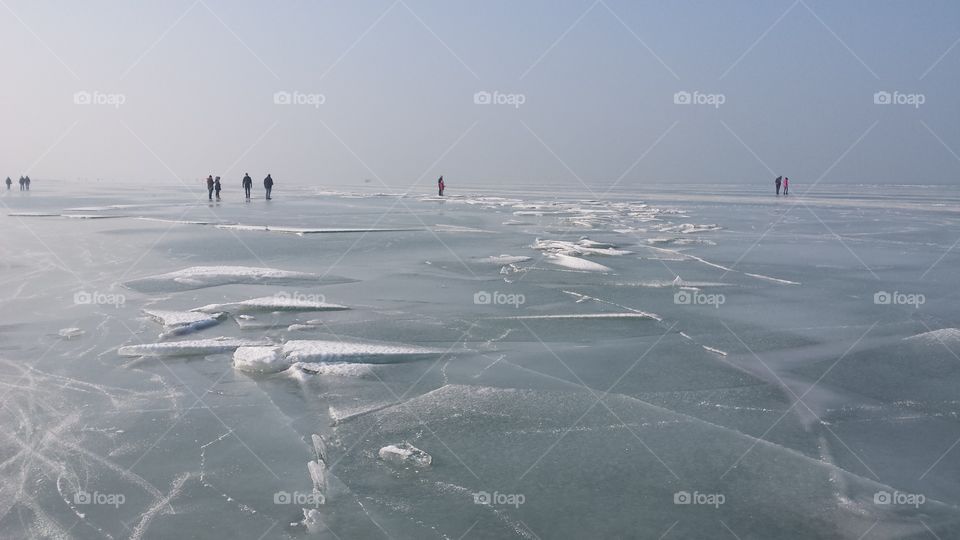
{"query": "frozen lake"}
pixel 666 362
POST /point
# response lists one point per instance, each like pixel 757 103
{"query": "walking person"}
pixel 786 186
pixel 777 183
pixel 440 186
pixel 26 182
pixel 21 183
pixel 210 187
pixel 247 184
pixel 216 187
pixel 9 183
pixel 268 185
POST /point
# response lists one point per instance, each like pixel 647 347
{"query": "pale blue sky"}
pixel 398 81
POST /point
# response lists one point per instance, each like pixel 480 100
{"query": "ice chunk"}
pixel 943 335
pixel 318 473
pixel 196 277
pixel 190 347
pixel 578 316
pixel 71 332
pixel 340 351
pixel 273 303
pixel 405 454
pixel 177 323
pixel 339 369
pixel 259 359
pixel 319 447
pixel 576 263
pixel 504 259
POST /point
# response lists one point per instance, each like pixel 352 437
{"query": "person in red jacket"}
pixel 786 186
pixel 440 186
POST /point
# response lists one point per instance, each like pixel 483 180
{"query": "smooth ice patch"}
pixel 196 277
pixel 504 259
pixel 576 263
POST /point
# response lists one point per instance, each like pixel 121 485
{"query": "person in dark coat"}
pixel 9 183
pixel 210 187
pixel 216 187
pixel 268 185
pixel 777 183
pixel 247 184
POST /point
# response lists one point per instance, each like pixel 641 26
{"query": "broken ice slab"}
pixel 273 303
pixel 197 277
pixel 194 347
pixel 405 454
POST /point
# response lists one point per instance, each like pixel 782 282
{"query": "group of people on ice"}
pixel 24 183
pixel 785 182
pixel 213 186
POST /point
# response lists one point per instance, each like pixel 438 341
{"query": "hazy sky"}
pixel 587 91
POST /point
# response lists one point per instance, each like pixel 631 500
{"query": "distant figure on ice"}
pixel 777 183
pixel 247 184
pixel 440 186
pixel 216 187
pixel 9 183
pixel 26 182
pixel 786 186
pixel 22 184
pixel 268 185
pixel 210 187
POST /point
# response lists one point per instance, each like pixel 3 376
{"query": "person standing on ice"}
pixel 777 183
pixel 440 186
pixel 786 186
pixel 26 182
pixel 21 183
pixel 216 187
pixel 9 183
pixel 210 187
pixel 268 185
pixel 247 184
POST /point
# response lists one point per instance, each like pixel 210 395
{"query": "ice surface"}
pixel 405 454
pixel 599 398
pixel 177 323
